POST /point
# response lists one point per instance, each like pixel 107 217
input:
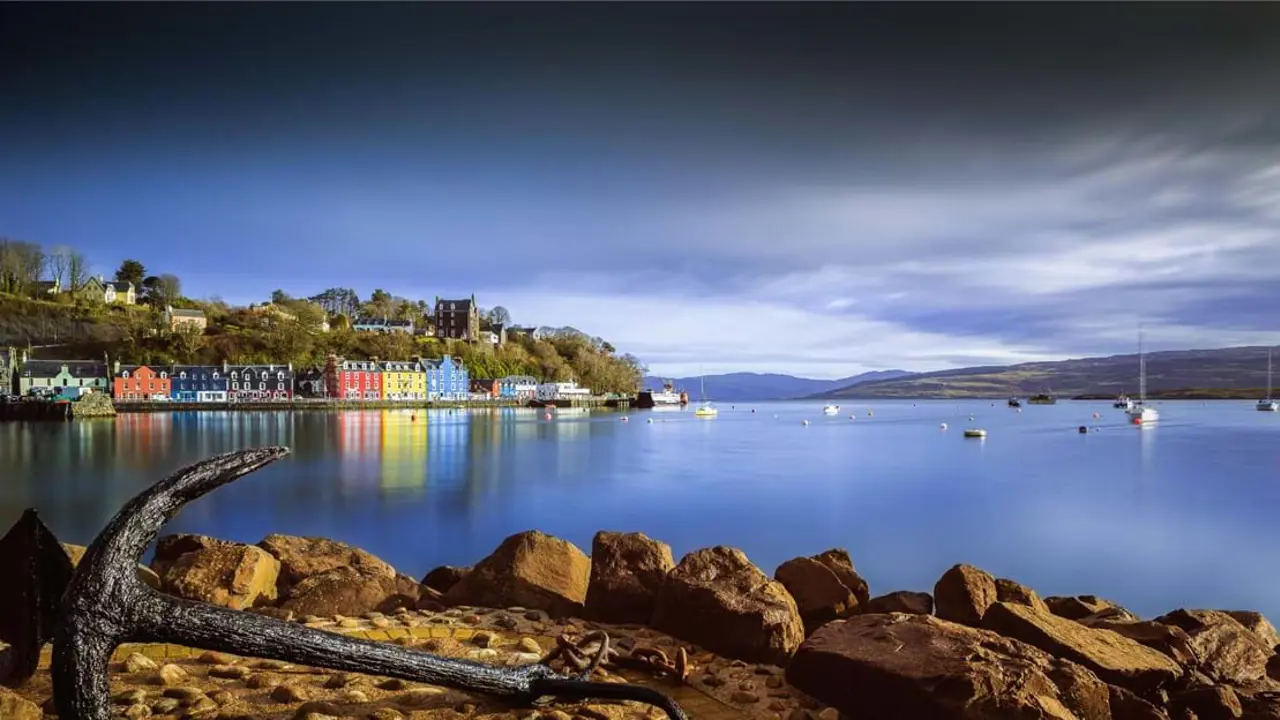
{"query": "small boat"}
pixel 975 433
pixel 705 409
pixel 1139 413
pixel 831 410
pixel 1015 402
pixel 1123 403
pixel 1042 399
pixel 1267 404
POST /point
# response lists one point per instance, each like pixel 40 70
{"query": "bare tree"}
pixel 77 269
pixel 57 262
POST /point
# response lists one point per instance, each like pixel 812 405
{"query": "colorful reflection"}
pixel 404 437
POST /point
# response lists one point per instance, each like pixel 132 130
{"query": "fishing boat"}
pixel 705 409
pixel 1139 413
pixel 1015 402
pixel 1267 404
pixel 1042 399
pixel 831 410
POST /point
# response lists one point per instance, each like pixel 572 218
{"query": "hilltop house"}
pixel 197 383
pixel 177 317
pixel 258 383
pixel 67 378
pixel 369 324
pixel 457 319
pixel 139 382
pixel 353 379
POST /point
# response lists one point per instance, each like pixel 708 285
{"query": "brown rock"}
pixel 820 596
pixel 1209 702
pixel 1258 624
pixel 304 557
pixel 901 601
pixel 1168 639
pixel 171 547
pixel 1078 606
pixel 918 666
pixel 1127 706
pixel 963 594
pixel 529 569
pixel 1259 702
pixel 839 562
pixel 145 574
pixel 1018 594
pixel 347 591
pixel 1227 651
pixel 627 570
pixel 1114 658
pixel 717 599
pixel 234 576
pixel 444 577
pixel 288 694
pixel 15 707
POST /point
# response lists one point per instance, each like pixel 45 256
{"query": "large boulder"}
pixel 1208 702
pixel 304 557
pixel 443 578
pixel 1228 651
pixel 1127 706
pixel 529 569
pixel 15 707
pixel 1258 624
pixel 717 599
pixel 839 562
pixel 1167 639
pixel 918 666
pixel 1019 594
pixel 171 547
pixel 627 571
pixel 1076 607
pixel 234 576
pixel 347 591
pixel 1114 658
pixel 902 601
pixel 963 594
pixel 820 596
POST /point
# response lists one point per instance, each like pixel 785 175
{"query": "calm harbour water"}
pixel 1180 514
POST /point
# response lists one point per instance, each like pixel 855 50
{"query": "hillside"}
pixel 1209 372
pixel 739 387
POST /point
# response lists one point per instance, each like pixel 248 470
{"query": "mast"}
pixel 1268 373
pixel 1142 370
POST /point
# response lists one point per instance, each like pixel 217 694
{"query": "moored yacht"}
pixel 1267 404
pixel 1138 412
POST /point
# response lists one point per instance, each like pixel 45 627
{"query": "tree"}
pixel 338 301
pixel 499 316
pixel 162 290
pixel 20 266
pixel 279 297
pixel 57 262
pixel 187 339
pixel 131 271
pixel 77 270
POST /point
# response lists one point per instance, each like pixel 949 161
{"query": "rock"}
pixel 529 569
pixel 918 666
pixel 444 577
pixel 210 657
pixel 145 574
pixel 229 672
pixel 222 697
pixel 627 571
pixel 963 594
pixel 1168 639
pixel 819 595
pixel 1258 624
pixel 529 645
pixel 264 680
pixel 483 639
pixel 901 601
pixel 347 591
pixel 391 684
pixel 1018 594
pixel 1209 702
pixel 1227 651
pixel 420 697
pixel 1079 606
pixel 1127 706
pixel 137 663
pixel 744 697
pixel 136 712
pixel 234 576
pixel 717 599
pixel 304 557
pixel 165 706
pixel 15 707
pixel 1114 658
pixel 354 697
pixel 839 562
pixel 385 713
pixel 170 675
pixel 171 547
pixel 288 694
pixel 130 697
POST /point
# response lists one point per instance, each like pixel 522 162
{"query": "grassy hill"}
pixel 1224 372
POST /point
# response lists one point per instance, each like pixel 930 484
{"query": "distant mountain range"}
pixel 740 387
pixel 1224 372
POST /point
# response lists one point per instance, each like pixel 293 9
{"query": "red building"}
pixel 139 382
pixel 353 379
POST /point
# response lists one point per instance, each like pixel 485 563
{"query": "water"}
pixel 1179 514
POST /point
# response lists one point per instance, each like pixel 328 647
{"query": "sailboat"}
pixel 1267 404
pixel 1139 413
pixel 705 409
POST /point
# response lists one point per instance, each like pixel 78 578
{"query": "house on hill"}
pixel 457 319
pixel 175 318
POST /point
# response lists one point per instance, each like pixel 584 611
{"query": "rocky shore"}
pixel 713 630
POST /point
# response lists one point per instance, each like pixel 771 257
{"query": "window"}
pixel 234 375
pixel 124 374
pixel 165 375
pixel 182 375
pixel 235 385
pixel 215 376
pixel 262 386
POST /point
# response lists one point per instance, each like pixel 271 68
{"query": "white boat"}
pixel 1123 403
pixel 1266 404
pixel 831 410
pixel 705 409
pixel 1138 412
pixel 667 395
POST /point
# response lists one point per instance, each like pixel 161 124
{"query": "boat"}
pixel 1122 402
pixel 668 395
pixel 1267 404
pixel 831 410
pixel 705 409
pixel 975 433
pixel 1139 413
pixel 1042 399
pixel 1015 402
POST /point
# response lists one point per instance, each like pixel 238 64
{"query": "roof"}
pixel 485 383
pixel 185 312
pixel 370 321
pixel 400 323
pixel 121 286
pixel 361 365
pixel 47 284
pixel 462 305
pixel 75 368
pixel 520 379
pixel 259 368
pixel 401 366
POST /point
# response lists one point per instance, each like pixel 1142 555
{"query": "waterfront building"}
pixel 67 378
pixel 310 383
pixel 403 380
pixel 562 391
pixel 197 383
pixel 457 319
pixel 258 383
pixel 139 382
pixel 485 388
pixel 353 379
pixel 520 387
pixel 447 379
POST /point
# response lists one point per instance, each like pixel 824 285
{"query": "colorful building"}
pixel 522 387
pixel 139 382
pixel 447 379
pixel 67 378
pixel 353 379
pixel 259 383
pixel 403 380
pixel 197 383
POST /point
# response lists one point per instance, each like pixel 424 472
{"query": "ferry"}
pixel 668 395
pixel 831 410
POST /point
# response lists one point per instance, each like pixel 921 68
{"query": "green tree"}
pixel 131 271
pixel 187 340
pixel 279 297
pixel 499 316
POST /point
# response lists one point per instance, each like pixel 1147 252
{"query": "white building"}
pixel 562 391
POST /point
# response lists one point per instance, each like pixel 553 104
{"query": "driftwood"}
pixel 106 604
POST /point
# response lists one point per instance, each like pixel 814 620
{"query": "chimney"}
pixel 116 368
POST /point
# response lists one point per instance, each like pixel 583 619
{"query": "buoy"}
pixel 1083 430
pixel 546 416
pixel 970 418
pixel 870 413
pixel 804 422
pixel 943 426
pixel 1019 410
pixel 624 418
pixel 1096 416
pixel 853 417
pixel 650 421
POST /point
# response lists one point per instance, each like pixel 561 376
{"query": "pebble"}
pixel 310 715
pixel 506 622
pixel 348 623
pixel 744 696
pixel 216 658
pixel 262 681
pixel 800 714
pixel 592 713
pixel 391 684
pixel 136 712
pixel 288 694
pixel 165 706
pixel 385 713
pixel 354 697
pixel 533 615
pixel 319 708
pixel 309 619
pixel 340 680
pixel 372 615
pixel 380 622
pixel 522 658
pixel 137 662
pixel 529 645
pixel 777 705
pixel 433 645
pixel 471 619
pixel 482 654
pixel 272 665
pixel 483 639
pixel 465 708
pixel 201 706
pixel 420 696
pixel 713 680
pixel 222 697
pixel 130 697
pixel 229 672
pixel 747 686
pixel 557 715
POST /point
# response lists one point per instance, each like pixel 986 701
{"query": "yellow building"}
pixel 403 381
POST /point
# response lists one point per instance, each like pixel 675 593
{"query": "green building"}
pixel 69 378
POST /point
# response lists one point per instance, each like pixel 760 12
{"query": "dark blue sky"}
pixel 809 188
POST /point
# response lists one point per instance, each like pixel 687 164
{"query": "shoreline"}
pixel 807 642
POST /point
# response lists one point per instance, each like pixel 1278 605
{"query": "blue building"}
pixel 197 383
pixel 447 379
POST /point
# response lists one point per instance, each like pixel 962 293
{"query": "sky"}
pixel 812 189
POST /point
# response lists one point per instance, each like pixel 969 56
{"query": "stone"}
pixel 1112 657
pixel 130 697
pixel 136 712
pixel 529 645
pixel 1227 651
pixel 717 599
pixel 529 569
pixel 901 601
pixel 419 697
pixel 819 595
pixel 170 675
pixel 1018 594
pixel 209 657
pixel 838 561
pixel 1168 639
pixel 273 612
pixel 346 591
pixel 627 571
pixel 391 684
pixel 186 695
pixel 304 557
pixel 1258 624
pixel 233 576
pixel 963 594
pixel 171 547
pixel 229 672
pixel 744 697
pixel 288 694
pixel 919 666
pixel 137 663
pixel 222 697
pixel 1209 702
pixel 443 578
pixel 354 697
pixel 1079 606
pixel 483 639
pixel 1128 706
pixel 385 713
pixel 264 681
pixel 165 706
pixel 145 574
